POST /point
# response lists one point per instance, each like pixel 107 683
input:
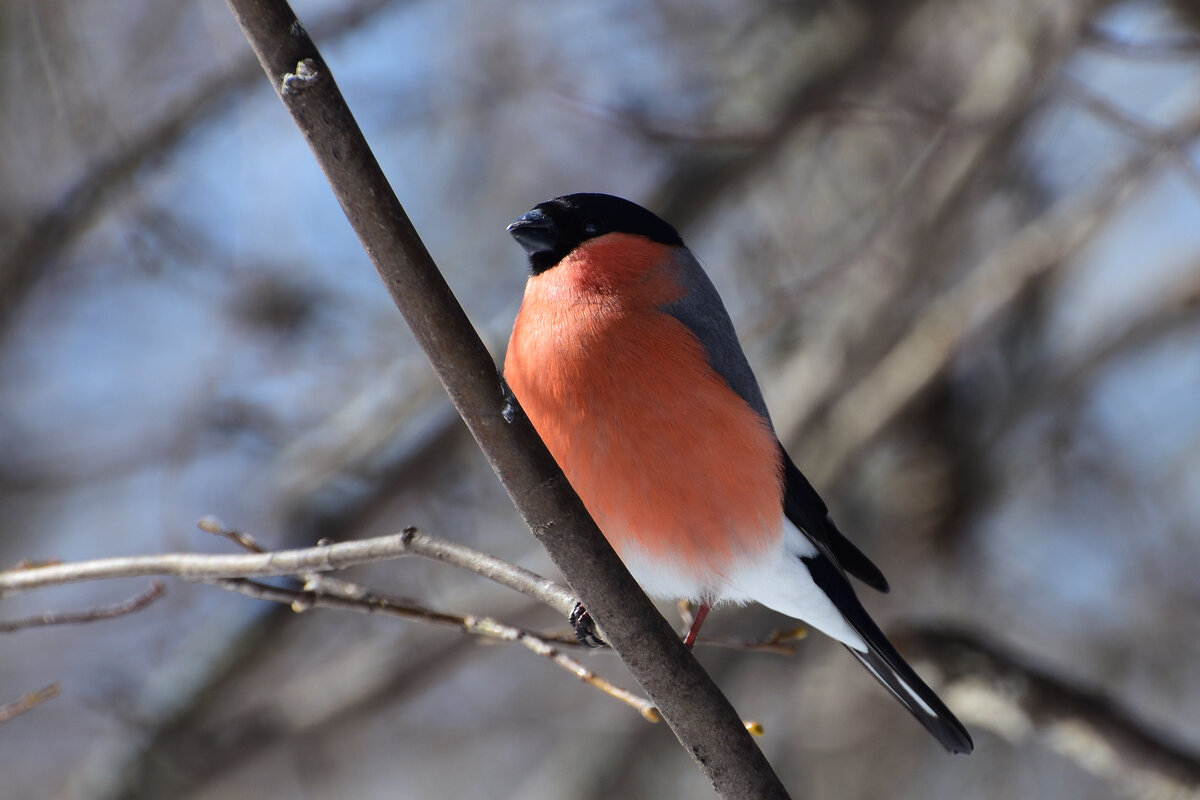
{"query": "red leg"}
pixel 697 621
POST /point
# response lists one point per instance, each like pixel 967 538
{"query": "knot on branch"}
pixel 305 75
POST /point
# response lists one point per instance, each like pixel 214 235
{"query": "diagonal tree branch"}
pixel 700 716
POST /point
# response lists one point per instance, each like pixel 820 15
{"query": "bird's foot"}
pixel 585 627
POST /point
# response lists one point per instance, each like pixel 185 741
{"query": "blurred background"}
pixel 960 241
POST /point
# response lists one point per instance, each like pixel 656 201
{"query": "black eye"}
pixel 593 227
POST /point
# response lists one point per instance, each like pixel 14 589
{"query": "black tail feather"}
pixel 883 661
pixel 900 679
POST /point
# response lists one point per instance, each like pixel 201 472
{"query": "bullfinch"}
pixel 627 364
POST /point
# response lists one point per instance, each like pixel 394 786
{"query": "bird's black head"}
pixel 554 228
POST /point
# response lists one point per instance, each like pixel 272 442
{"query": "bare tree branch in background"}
pixel 865 39
pixel 927 348
pixel 1177 308
pixel 1016 699
pixel 994 104
pixel 23 262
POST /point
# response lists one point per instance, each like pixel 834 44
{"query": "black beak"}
pixel 535 232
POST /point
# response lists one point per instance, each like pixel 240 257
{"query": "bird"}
pixel 627 364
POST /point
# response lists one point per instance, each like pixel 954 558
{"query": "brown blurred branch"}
pixel 28 702
pixel 1007 693
pixel 23 263
pixel 867 34
pixel 925 350
pixel 135 603
pixel 680 131
pixel 900 252
pixel 699 715
pixel 1177 307
pixel 1169 142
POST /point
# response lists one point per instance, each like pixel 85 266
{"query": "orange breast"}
pixel 681 475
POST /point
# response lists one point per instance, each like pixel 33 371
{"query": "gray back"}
pixel 702 311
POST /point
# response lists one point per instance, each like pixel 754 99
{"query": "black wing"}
pixel 808 512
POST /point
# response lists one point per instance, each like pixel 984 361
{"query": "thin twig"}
pixel 780 641
pixel 201 566
pixel 489 627
pixel 322 558
pixel 243 540
pixel 28 702
pixel 136 603
pixel 425 545
pixel 366 602
pixel 553 594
